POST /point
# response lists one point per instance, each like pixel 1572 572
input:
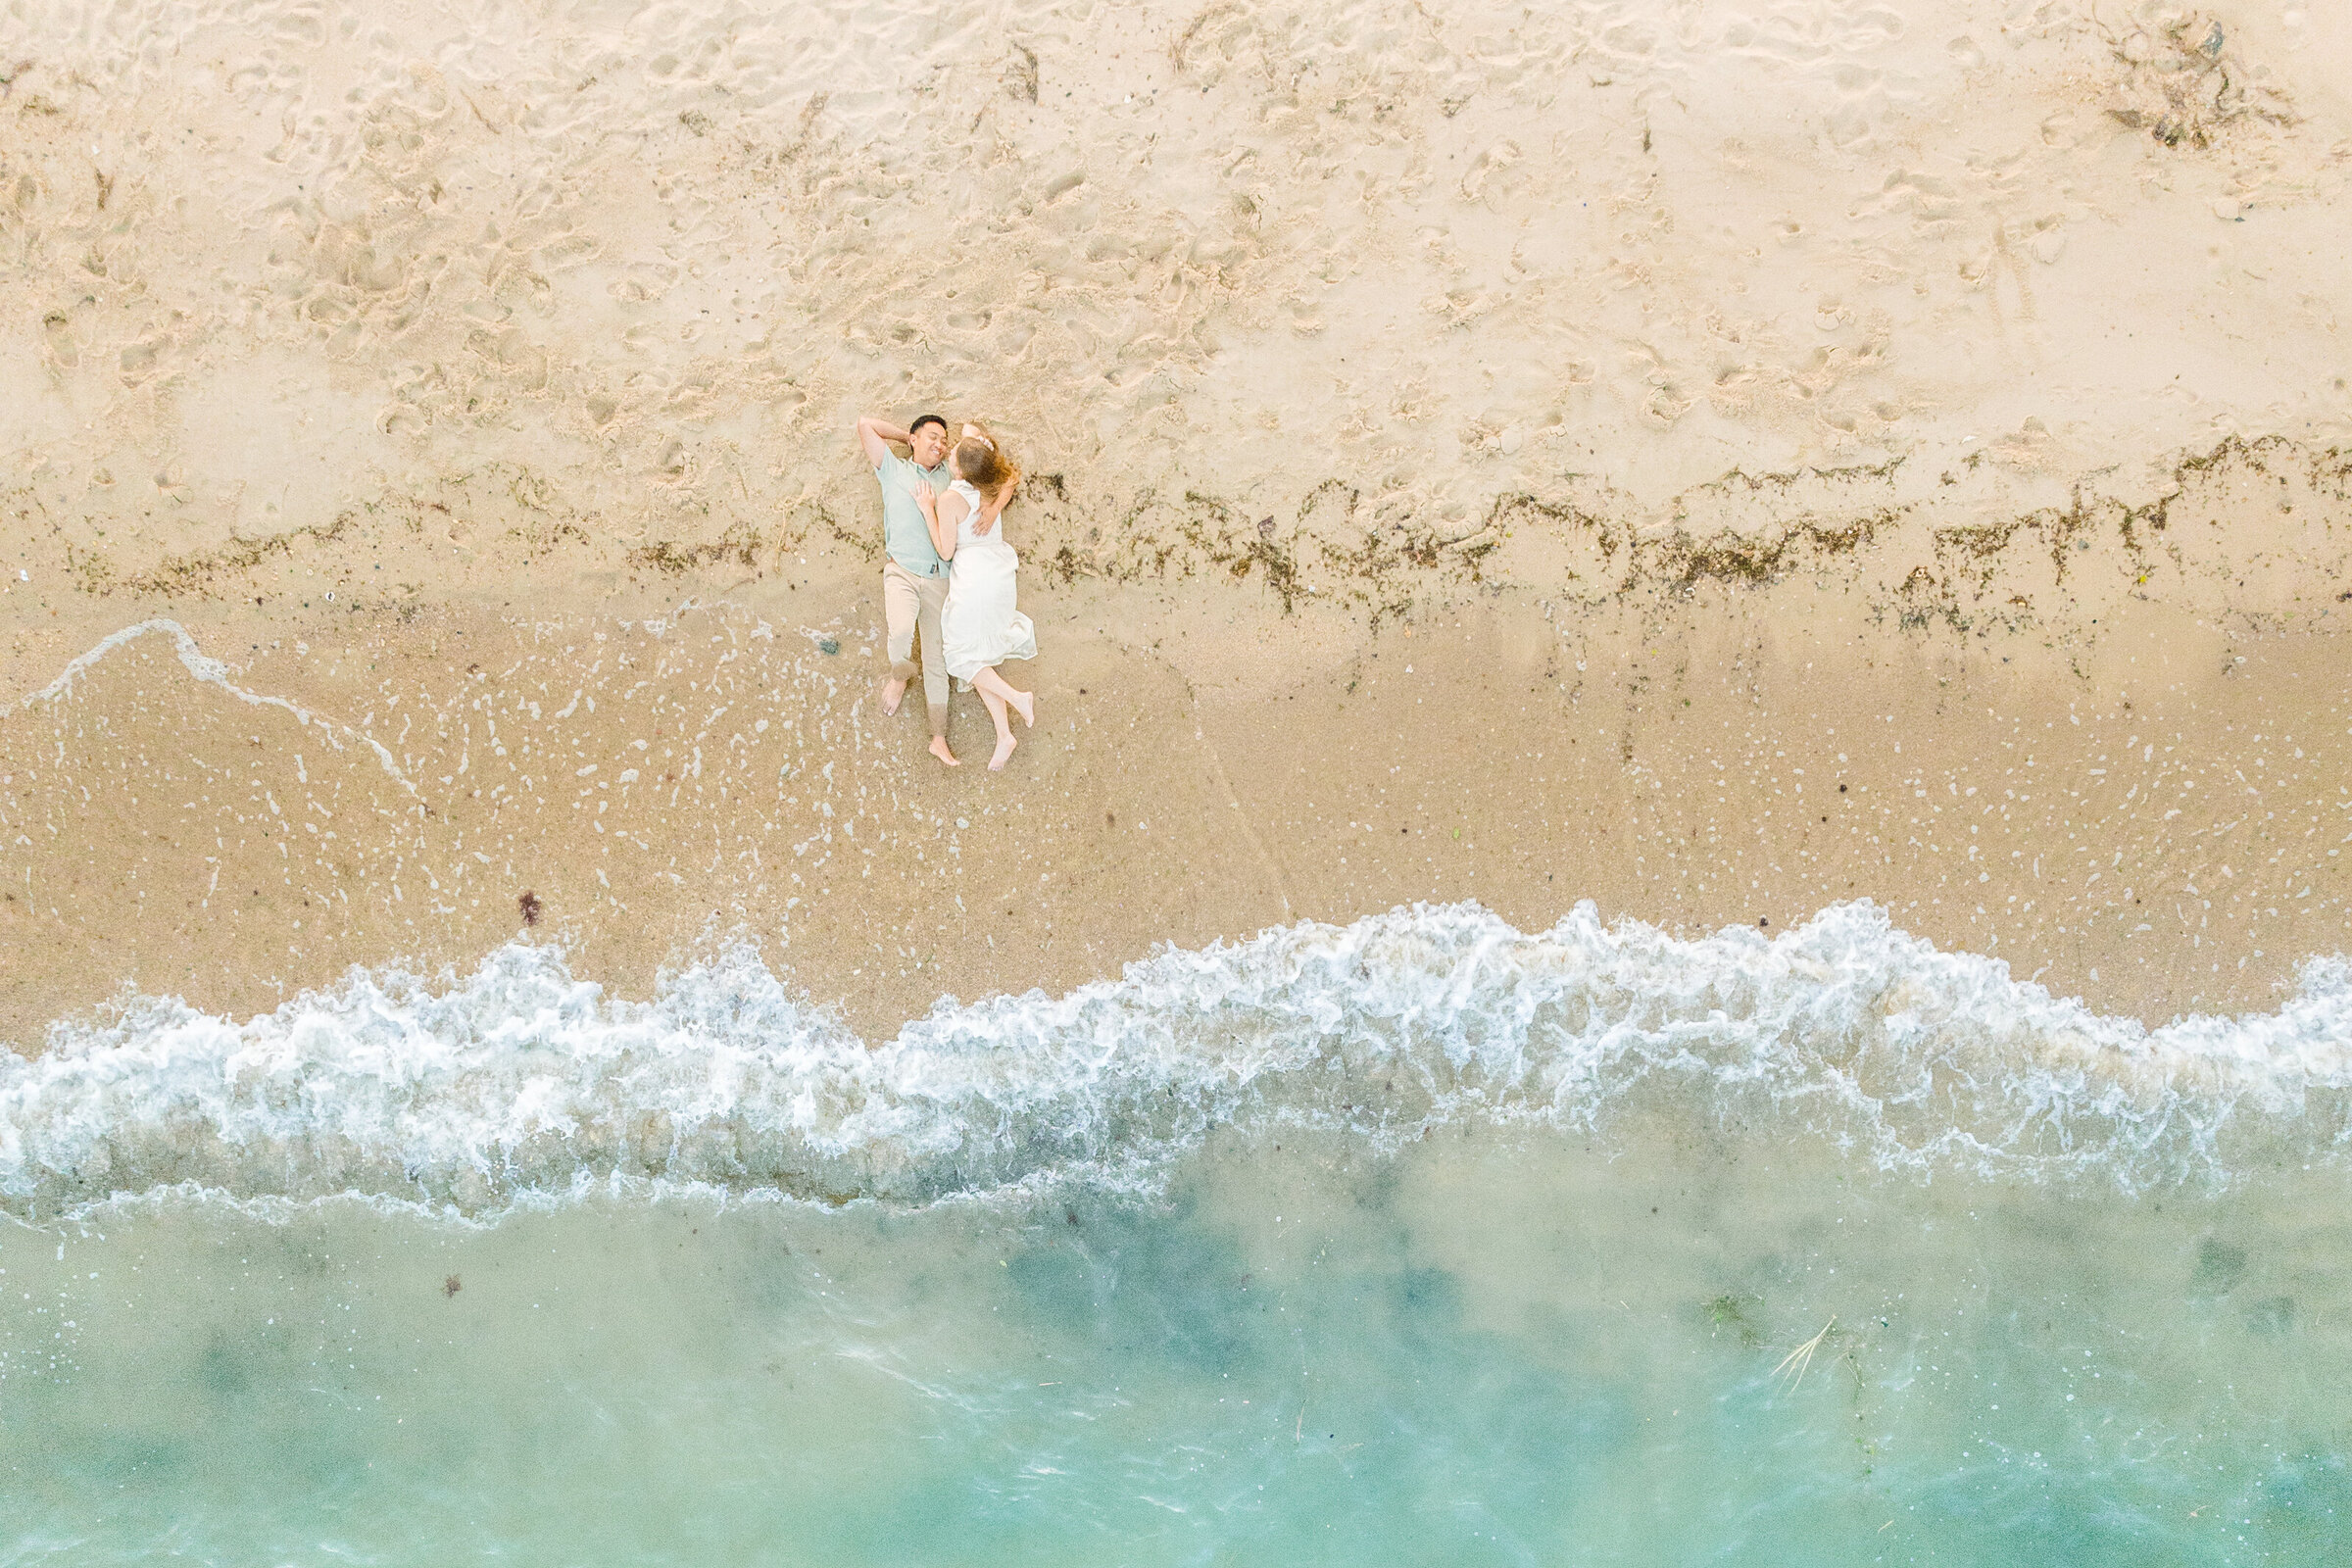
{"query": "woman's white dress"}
pixel 982 626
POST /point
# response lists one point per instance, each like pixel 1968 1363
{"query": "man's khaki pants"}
pixel 912 604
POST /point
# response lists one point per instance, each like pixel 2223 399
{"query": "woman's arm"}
pixel 940 515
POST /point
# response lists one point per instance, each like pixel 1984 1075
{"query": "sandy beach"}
pixel 1715 466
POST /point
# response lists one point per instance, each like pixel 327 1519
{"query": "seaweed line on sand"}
pixel 1379 555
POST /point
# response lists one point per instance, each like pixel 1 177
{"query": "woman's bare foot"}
pixel 1005 748
pixel 939 749
pixel 894 692
pixel 1025 704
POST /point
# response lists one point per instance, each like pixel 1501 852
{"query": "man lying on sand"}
pixel 914 578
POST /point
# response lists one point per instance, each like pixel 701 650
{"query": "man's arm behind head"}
pixel 875 437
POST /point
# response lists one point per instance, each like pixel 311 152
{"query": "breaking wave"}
pixel 523 1082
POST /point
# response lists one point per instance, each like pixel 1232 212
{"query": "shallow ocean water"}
pixel 1470 1246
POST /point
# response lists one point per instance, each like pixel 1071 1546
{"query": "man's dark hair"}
pixel 922 419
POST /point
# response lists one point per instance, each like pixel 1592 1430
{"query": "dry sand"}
pixel 1712 461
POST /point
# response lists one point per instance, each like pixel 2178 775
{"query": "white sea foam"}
pixel 523 1082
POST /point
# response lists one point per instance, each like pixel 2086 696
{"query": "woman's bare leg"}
pixel 988 683
pixel 996 710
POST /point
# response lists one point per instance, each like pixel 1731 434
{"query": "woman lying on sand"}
pixel 982 624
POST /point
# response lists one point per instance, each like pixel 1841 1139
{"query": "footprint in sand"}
pixel 56 336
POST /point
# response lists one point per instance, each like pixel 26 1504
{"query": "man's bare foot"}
pixel 1005 747
pixel 1025 704
pixel 894 692
pixel 939 749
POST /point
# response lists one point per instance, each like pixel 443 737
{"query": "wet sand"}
pixel 2126 792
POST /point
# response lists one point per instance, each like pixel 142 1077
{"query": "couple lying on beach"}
pixel 950 572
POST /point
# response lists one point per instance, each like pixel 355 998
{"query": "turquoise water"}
pixel 1449 1245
